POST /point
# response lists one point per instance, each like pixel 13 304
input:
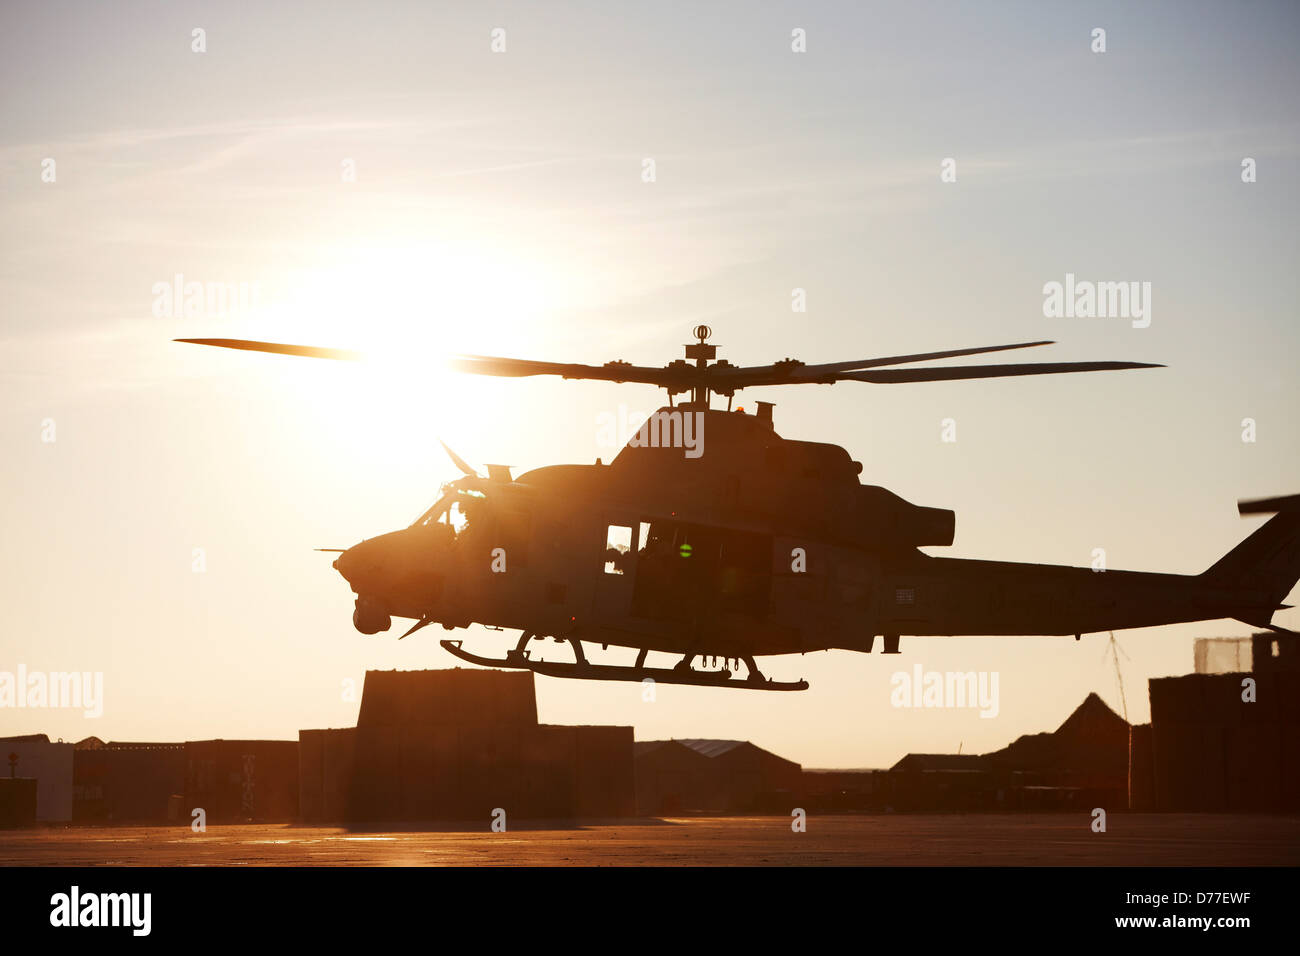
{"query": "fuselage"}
pixel 754 545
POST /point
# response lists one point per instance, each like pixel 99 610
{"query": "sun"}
pixel 393 303
pixel 406 309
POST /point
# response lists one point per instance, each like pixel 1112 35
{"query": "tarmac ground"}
pixel 1059 839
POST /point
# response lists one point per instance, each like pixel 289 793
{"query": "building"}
pixel 1084 763
pixel 50 765
pixel 713 776
pixel 940 782
pixel 1224 739
pixel 428 745
pixel 670 777
pixel 842 791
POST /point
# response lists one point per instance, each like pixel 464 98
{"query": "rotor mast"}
pixel 702 352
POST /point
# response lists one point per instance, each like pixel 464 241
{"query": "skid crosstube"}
pixel 586 671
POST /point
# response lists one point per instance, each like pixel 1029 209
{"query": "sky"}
pixel 376 176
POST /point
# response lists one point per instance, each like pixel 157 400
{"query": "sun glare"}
pixel 407 310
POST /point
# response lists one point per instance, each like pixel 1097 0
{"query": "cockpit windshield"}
pixel 455 507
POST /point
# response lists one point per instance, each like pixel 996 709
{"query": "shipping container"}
pixel 242 780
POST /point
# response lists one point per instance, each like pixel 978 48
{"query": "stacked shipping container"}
pixel 461 744
pixel 1215 751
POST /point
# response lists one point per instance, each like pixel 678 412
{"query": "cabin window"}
pixel 618 548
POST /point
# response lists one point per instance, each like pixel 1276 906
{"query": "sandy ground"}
pixel 886 840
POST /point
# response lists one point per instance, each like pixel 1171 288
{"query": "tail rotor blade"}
pixel 1264 506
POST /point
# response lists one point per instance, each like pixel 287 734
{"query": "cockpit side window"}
pixel 618 548
pixel 457 518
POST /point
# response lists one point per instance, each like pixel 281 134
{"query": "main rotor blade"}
pixel 811 370
pixel 457 460
pixel 609 372
pixel 893 375
pixel 278 348
pixel 794 372
pixel 721 378
pixel 477 364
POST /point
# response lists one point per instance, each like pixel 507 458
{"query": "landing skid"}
pixel 660 675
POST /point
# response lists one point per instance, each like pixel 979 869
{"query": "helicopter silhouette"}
pixel 710 536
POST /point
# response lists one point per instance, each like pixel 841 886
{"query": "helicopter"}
pixel 710 536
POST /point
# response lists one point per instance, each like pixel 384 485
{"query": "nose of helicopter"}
pixel 359 563
pixel 386 563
